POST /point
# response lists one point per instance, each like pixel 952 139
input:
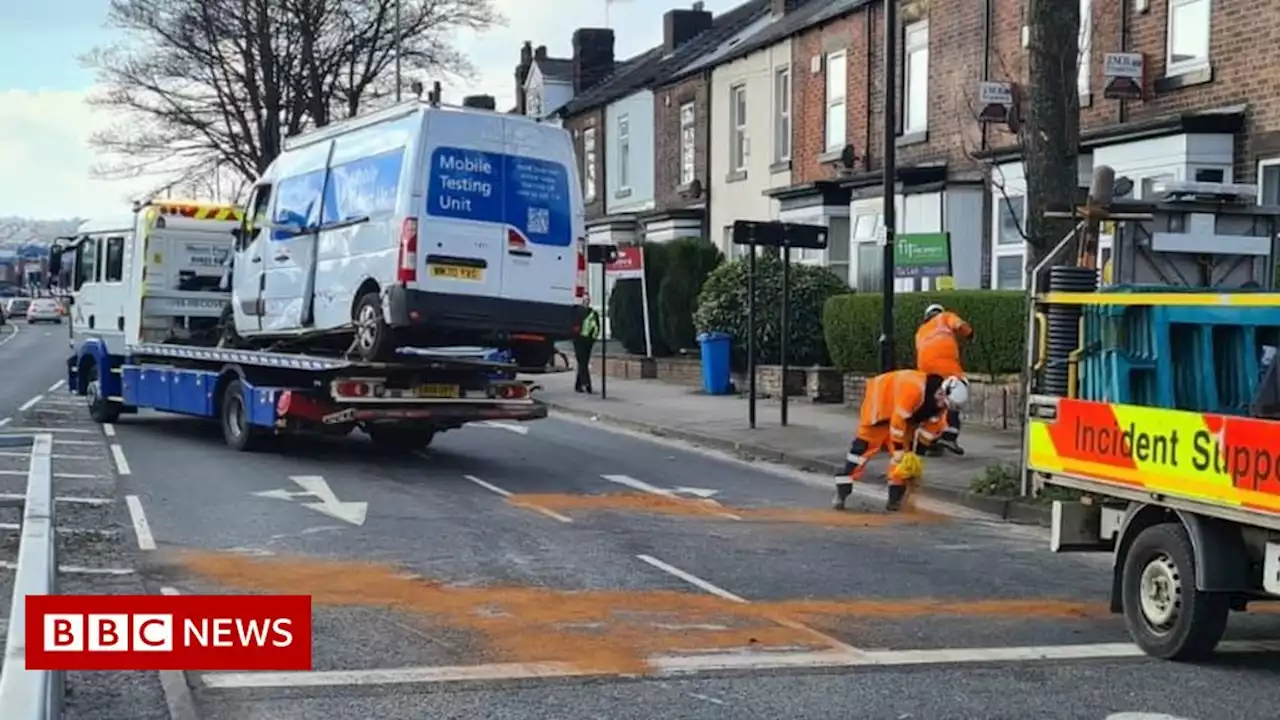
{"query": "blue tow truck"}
pixel 146 333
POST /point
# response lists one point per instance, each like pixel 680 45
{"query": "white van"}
pixel 418 225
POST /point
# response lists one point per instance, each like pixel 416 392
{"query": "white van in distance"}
pixel 420 225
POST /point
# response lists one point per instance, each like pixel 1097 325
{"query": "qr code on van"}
pixel 539 221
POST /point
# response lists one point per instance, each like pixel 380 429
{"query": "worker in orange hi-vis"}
pixel 900 409
pixel 938 353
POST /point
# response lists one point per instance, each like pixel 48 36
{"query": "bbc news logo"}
pixel 168 632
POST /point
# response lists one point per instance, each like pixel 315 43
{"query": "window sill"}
pixel 831 156
pixel 622 193
pixel 1181 79
pixel 685 190
pixel 914 138
pixel 780 167
pixel 736 176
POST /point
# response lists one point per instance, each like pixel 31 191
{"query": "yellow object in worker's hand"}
pixel 909 469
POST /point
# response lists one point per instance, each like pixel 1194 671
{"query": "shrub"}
pixel 626 310
pixel 689 262
pixel 722 306
pixel 851 324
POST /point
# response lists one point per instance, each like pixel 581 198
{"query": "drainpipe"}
pixel 1123 106
pixel 986 56
pixel 706 183
pixel 867 40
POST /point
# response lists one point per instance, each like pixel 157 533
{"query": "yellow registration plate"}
pixel 437 391
pixel 456 272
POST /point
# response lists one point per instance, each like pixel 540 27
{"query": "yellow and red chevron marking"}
pixel 1218 459
pixel 197 211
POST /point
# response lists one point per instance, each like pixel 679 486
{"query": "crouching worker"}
pixel 899 409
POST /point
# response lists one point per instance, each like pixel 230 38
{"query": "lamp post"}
pixel 889 187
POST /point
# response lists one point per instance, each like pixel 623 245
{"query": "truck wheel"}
pixel 101 410
pixel 1167 617
pixel 400 440
pixel 373 338
pixel 236 429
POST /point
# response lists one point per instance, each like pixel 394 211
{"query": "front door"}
pixel 248 270
pixel 290 253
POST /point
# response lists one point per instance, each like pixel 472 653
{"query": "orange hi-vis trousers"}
pixel 889 404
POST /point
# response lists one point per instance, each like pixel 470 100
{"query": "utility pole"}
pixel 398 83
pixel 889 188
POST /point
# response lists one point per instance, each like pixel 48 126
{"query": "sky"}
pixel 45 159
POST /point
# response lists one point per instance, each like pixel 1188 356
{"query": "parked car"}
pixel 44 310
pixel 17 307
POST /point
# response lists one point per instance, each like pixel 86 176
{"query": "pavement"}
pixel 815 438
pixel 572 569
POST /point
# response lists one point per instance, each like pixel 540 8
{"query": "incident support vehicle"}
pixel 1155 399
pixel 145 313
pixel 422 225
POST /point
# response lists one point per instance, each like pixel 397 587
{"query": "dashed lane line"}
pixel 122 464
pixel 54 387
pixel 60 475
pixel 536 508
pixel 108 429
pixel 141 527
pixel 642 486
pixel 75 569
pixel 174 685
pixel 55 456
pixel 5 421
pixel 30 403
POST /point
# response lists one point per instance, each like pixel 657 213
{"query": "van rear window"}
pixel 528 194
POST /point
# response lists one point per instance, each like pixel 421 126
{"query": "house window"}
pixel 533 102
pixel 624 152
pixel 1013 214
pixel 738 122
pixel 687 143
pixel 782 123
pixel 589 164
pixel 1086 46
pixel 1009 272
pixel 1148 186
pixel 870 253
pixel 1188 41
pixel 1269 182
pixel 916 78
pixel 837 85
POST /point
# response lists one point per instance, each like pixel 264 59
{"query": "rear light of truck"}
pixel 407 271
pixel 580 285
pixel 351 388
pixel 511 391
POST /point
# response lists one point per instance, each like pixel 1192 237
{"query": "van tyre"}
pixel 236 429
pixel 373 337
pixel 101 409
pixel 1166 616
pixel 399 440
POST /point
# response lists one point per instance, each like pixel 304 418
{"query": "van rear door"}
pixel 462 238
pixel 544 214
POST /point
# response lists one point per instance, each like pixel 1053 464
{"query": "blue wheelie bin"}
pixel 715 362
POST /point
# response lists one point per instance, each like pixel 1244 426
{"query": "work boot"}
pixel 896 495
pixel 951 446
pixel 843 491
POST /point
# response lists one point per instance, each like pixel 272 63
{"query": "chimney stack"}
pixel 592 57
pixel 540 53
pixel 522 74
pixel 782 7
pixel 481 102
pixel 681 26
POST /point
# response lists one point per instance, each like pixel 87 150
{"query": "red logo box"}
pixel 168 632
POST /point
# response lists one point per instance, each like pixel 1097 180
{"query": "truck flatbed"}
pixel 414 358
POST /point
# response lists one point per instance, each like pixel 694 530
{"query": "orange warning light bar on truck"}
pixel 1219 459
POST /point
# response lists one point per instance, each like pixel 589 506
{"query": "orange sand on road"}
pixel 597 631
pixel 685 507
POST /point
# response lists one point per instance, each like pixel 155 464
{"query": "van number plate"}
pixel 437 391
pixel 456 272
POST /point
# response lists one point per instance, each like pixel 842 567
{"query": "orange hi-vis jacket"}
pixel 938 344
pixel 902 402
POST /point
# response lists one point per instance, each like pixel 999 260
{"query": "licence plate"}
pixel 456 272
pixel 437 391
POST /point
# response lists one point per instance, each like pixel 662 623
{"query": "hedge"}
pixel 626 309
pixel 690 261
pixel 851 325
pixel 723 307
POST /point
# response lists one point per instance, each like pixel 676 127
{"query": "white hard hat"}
pixel 932 310
pixel 956 391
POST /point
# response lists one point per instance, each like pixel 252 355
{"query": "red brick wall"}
pixel 575 125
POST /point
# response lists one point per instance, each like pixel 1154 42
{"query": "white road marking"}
pixel 173 683
pixel 509 427
pixel 69 499
pixel 66 531
pixel 54 387
pixel 55 456
pixel 536 508
pixel 689 664
pixel 642 486
pixel 76 442
pixel 59 475
pixel 11 335
pixel 141 527
pixel 51 430
pixel 722 593
pixel 329 504
pixel 707 698
pixel 76 569
pixel 108 429
pixel 122 464
pixel 30 403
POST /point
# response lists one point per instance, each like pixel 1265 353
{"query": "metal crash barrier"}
pixel 32 694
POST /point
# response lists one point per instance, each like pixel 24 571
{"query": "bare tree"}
pixel 203 87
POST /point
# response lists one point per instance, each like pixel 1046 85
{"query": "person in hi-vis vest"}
pixel 582 346
pixel 938 353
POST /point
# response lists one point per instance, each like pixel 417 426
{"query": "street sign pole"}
pixel 603 255
pixel 889 186
pixel 786 325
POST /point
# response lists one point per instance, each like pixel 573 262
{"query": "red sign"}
pixel 168 632
pixel 630 263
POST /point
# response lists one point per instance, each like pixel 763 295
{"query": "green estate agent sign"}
pixel 922 255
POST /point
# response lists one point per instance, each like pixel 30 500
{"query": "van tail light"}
pixel 407 271
pixel 580 285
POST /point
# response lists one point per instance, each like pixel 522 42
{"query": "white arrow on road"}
pixel 509 427
pixel 329 504
pixel 704 493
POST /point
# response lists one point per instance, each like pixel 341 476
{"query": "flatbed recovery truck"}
pixel 1159 405
pixel 159 354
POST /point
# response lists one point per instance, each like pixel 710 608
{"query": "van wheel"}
pixel 236 429
pixel 373 337
pixel 534 356
pixel 101 410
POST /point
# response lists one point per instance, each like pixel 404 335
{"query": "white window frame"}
pixel 1083 81
pixel 1173 68
pixel 589 158
pixel 624 152
pixel 836 102
pixel 738 138
pixel 1263 166
pixel 688 143
pixel 915 44
pixel 782 114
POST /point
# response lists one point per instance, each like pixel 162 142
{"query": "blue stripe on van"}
pixel 526 193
